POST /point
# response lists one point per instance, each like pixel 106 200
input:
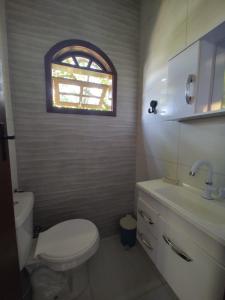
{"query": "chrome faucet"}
pixel 207 193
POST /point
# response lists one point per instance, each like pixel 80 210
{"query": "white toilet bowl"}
pixel 68 244
pixel 65 247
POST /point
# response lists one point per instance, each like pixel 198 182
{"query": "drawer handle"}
pixel 147 244
pixel 177 250
pixel 145 217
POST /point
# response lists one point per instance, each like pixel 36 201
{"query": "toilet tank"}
pixel 23 210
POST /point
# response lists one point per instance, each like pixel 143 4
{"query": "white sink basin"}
pixel 207 210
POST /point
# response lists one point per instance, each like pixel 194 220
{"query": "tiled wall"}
pixel 169 148
pixel 78 166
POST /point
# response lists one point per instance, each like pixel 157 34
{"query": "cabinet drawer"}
pixel 148 215
pixel 149 200
pixel 187 268
pixel 147 240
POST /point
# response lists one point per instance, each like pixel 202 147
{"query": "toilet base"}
pixel 49 285
pixel 78 280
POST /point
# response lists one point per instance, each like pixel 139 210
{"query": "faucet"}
pixel 207 193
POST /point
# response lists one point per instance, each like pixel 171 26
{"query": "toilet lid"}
pixel 67 240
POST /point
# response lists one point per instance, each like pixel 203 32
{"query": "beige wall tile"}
pixel 203 15
pixel 219 180
pixel 161 168
pixel 169 34
pixel 163 32
pixel 196 181
pixel 199 179
pixel 203 139
pixel 161 140
pixel 167 27
pixel 163 28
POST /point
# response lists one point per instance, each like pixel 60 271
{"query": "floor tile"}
pixel 86 295
pixel 119 274
pixel 161 293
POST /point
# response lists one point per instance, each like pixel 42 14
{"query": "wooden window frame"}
pixel 64 49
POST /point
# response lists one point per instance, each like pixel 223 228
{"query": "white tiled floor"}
pixel 115 274
pixel 119 274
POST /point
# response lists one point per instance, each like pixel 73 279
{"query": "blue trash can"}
pixel 128 226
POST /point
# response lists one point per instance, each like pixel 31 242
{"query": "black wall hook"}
pixel 153 105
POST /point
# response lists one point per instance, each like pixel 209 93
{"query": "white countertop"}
pixel 206 215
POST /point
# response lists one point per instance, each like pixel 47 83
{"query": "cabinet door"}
pixel 182 78
pixel 186 267
pixel 149 216
pixel 147 240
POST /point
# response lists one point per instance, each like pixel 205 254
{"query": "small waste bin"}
pixel 128 226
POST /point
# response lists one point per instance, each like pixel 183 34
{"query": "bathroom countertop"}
pixel 186 201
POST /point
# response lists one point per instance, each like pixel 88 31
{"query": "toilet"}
pixel 65 247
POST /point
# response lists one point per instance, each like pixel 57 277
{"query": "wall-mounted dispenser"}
pixel 153 105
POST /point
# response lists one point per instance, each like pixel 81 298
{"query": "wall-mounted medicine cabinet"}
pixel 196 79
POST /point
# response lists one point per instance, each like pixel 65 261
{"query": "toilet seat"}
pixel 67 244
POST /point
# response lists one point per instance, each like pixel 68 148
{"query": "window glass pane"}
pixel 94 66
pixel 90 100
pixel 81 77
pixel 69 98
pixel 100 79
pixel 70 82
pixel 108 94
pixel 95 79
pixel 108 102
pixel 69 88
pixel 60 71
pixel 82 61
pixel 92 91
pixel 68 60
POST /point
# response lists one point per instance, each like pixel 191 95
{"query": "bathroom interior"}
pixel 112 155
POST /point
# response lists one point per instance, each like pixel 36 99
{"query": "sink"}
pixel 210 211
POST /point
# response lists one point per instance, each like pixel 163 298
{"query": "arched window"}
pixel 80 78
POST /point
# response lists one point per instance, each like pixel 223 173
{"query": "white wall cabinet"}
pixel 181 254
pixel 183 75
pixel 196 86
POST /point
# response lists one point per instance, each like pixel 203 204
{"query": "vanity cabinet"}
pixel 183 254
pixel 187 268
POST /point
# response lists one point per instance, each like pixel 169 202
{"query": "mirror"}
pixel 218 91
